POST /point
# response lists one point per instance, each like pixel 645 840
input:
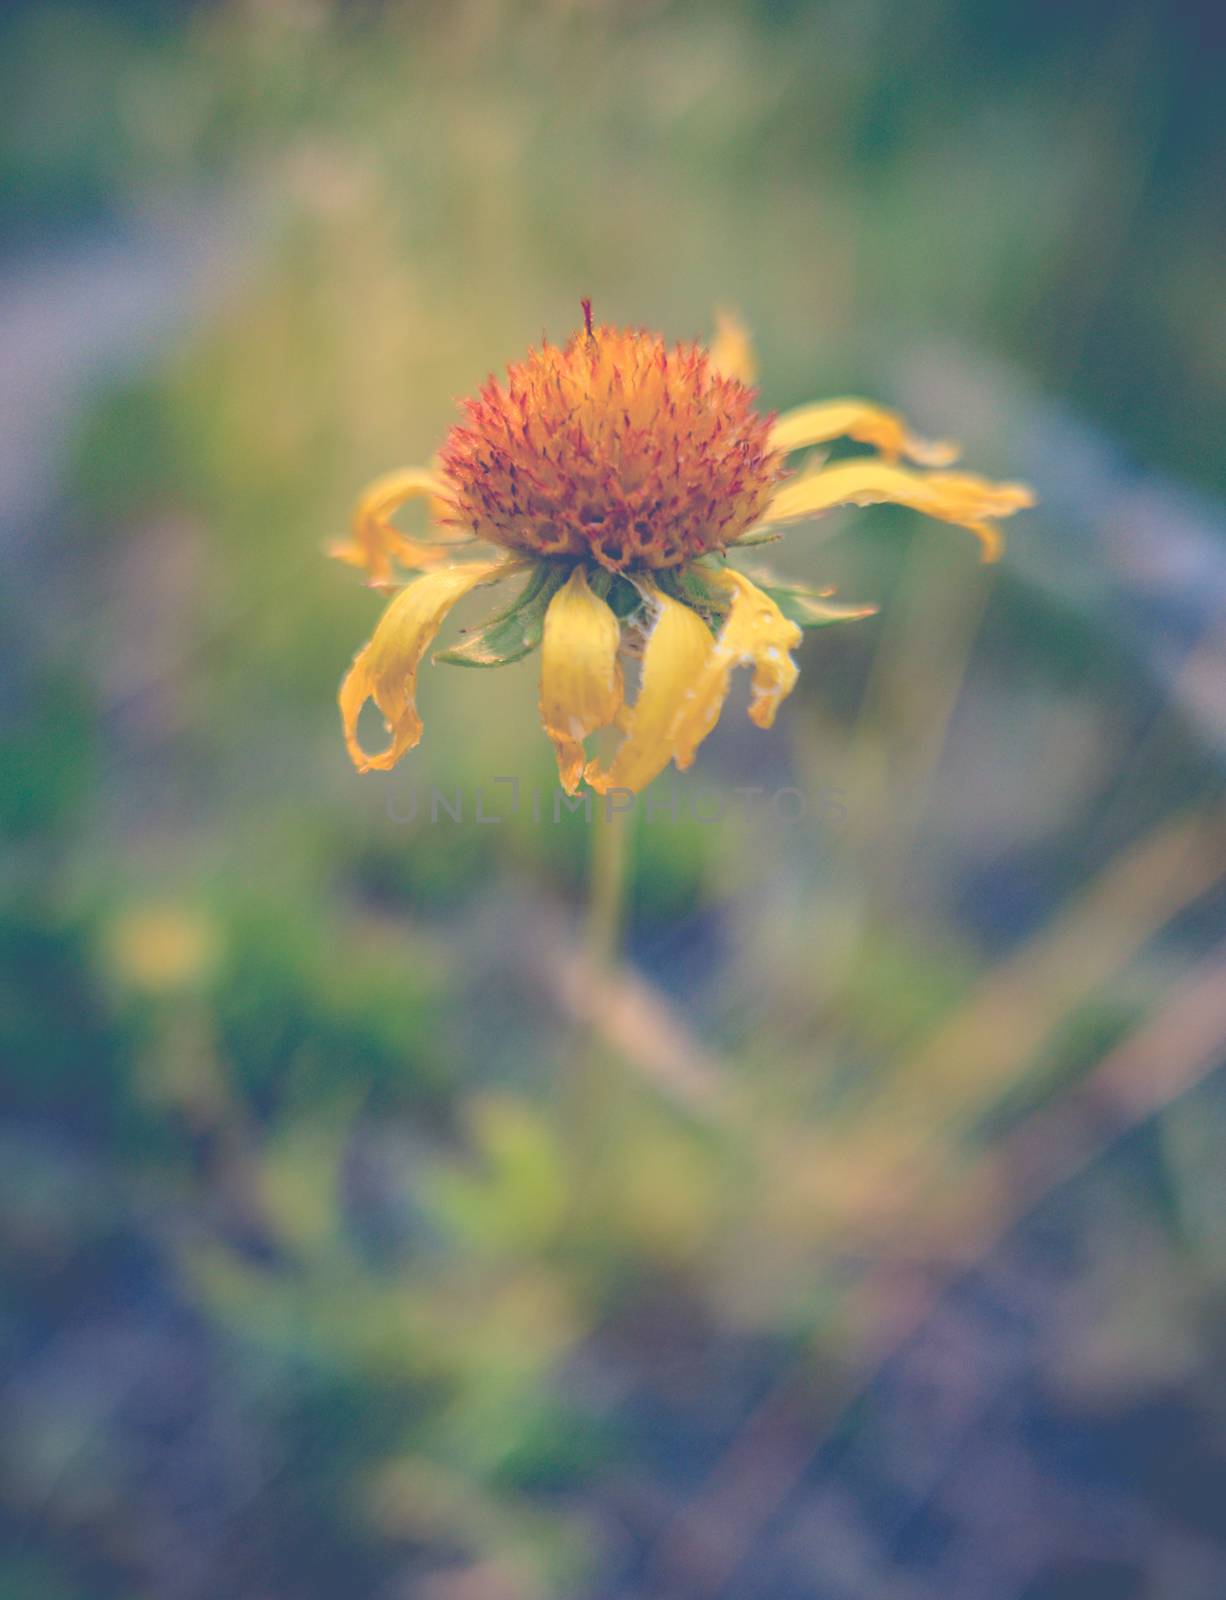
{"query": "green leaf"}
pixel 512 633
pixel 689 585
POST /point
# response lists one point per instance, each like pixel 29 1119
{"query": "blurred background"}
pixel 877 1245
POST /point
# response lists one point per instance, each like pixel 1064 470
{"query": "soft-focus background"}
pixel 879 1246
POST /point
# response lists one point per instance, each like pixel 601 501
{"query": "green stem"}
pixel 607 884
pixel 590 1087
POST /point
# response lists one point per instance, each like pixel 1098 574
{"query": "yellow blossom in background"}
pixel 613 478
pixel 161 948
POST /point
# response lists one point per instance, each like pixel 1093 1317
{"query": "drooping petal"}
pixel 968 502
pixel 801 603
pixel 385 669
pixel 731 350
pixel 755 634
pixel 866 424
pixel 581 680
pixel 374 540
pixel 676 652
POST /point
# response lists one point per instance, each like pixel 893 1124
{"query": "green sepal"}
pixel 688 585
pixel 514 632
pixel 617 591
pixel 760 535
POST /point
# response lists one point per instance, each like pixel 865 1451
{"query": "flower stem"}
pixel 607 882
pixel 590 1086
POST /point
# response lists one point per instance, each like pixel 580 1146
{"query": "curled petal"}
pixel 866 424
pixel 374 540
pixel 758 633
pixel 676 652
pixel 581 681
pixel 956 497
pixel 755 634
pixel 731 350
pixel 385 670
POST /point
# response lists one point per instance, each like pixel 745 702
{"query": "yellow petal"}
pixel 866 424
pixel 375 540
pixel 677 649
pixel 385 670
pixel 731 350
pixel 755 633
pixel 581 681
pixel 956 497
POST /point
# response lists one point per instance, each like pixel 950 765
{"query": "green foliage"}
pixel 55 1018
pixel 47 750
pixel 132 423
pixel 308 1012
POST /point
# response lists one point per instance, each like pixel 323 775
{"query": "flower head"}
pixel 615 449
pixel 613 477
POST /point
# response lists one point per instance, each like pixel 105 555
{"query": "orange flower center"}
pixel 615 448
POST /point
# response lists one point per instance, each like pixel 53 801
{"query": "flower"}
pixel 614 477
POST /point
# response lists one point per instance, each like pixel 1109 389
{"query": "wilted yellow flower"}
pixel 614 477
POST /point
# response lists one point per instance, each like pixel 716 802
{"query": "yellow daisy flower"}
pixel 613 478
